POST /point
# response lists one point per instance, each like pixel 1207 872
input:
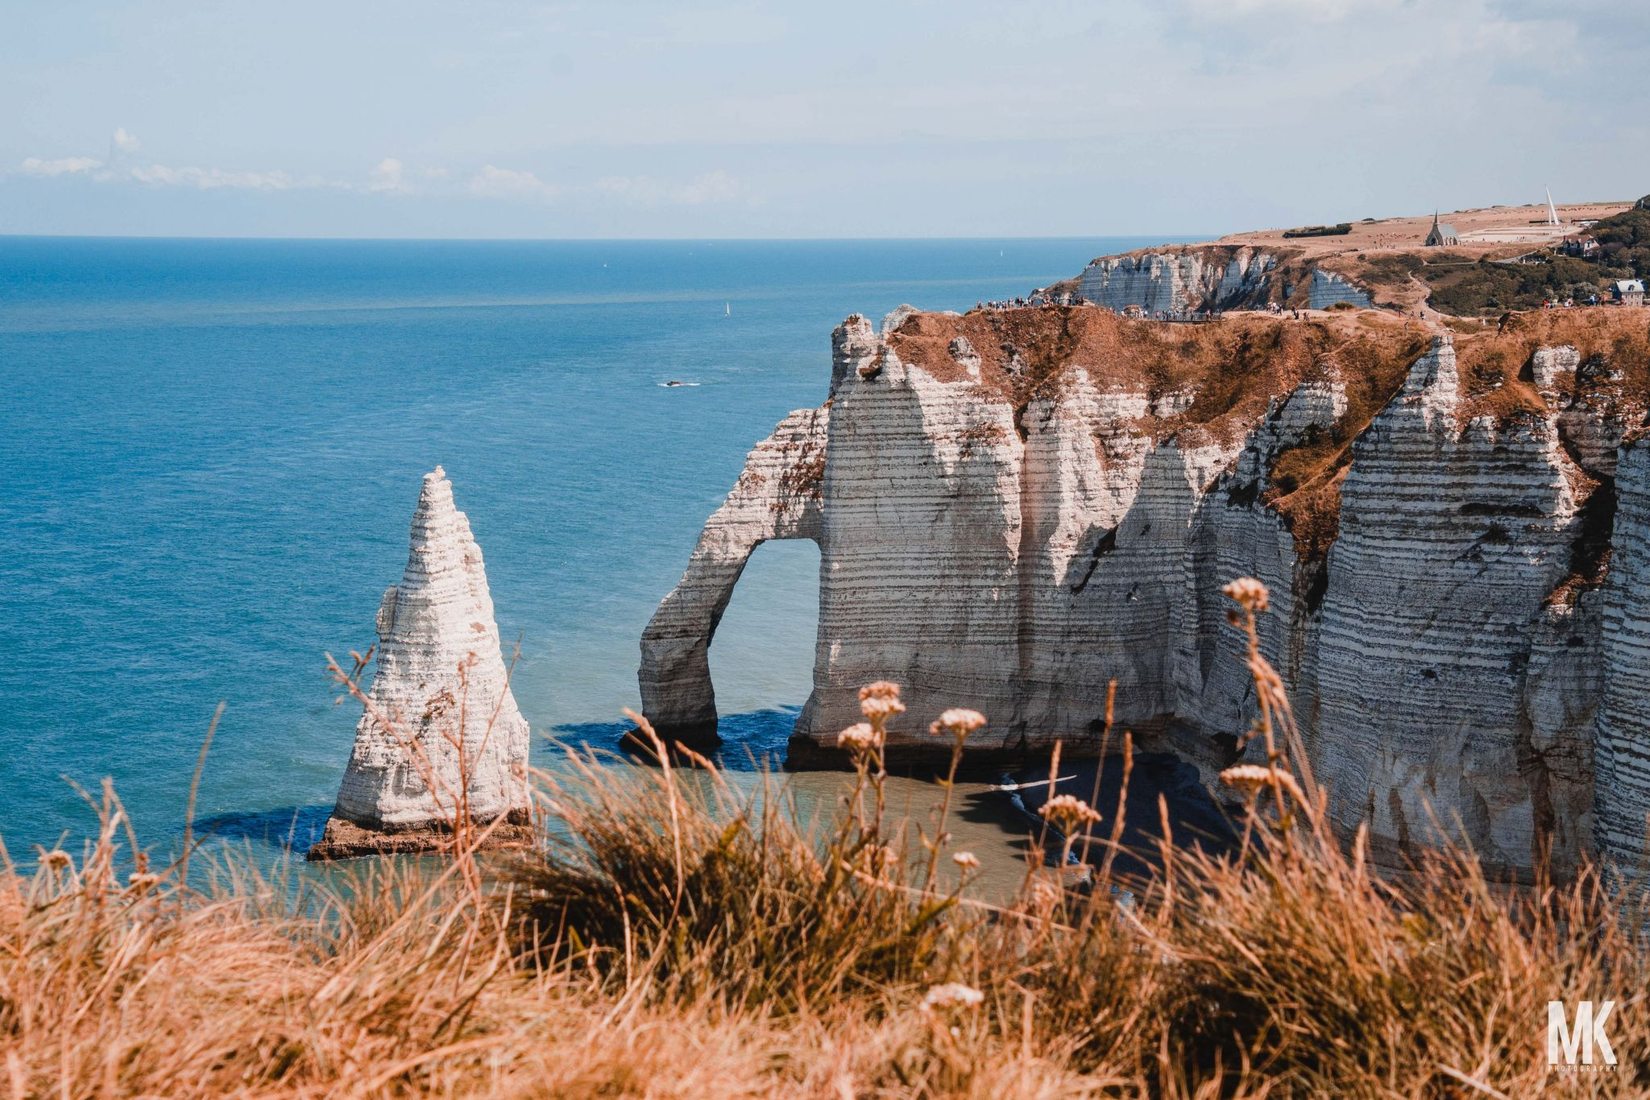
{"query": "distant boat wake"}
pixel 674 384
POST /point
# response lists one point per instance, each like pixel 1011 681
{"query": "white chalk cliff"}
pixel 1016 507
pixel 1212 277
pixel 1177 280
pixel 440 735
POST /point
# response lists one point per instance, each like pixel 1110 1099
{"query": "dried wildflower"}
pixel 880 701
pixel 1253 778
pixel 959 722
pixel 139 881
pixel 55 858
pixel 880 708
pixel 1248 777
pixel 1249 593
pixel 968 861
pixel 881 689
pixel 951 995
pixel 1069 812
pixel 860 737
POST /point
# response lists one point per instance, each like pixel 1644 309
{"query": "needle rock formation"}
pixel 441 736
pixel 1016 507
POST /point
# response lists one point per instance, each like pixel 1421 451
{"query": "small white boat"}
pixel 676 384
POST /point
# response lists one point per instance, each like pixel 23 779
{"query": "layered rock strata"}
pixel 1623 760
pixel 1195 278
pixel 1015 508
pixel 1179 280
pixel 1434 689
pixel 440 741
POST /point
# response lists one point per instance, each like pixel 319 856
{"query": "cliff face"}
pixel 1623 751
pixel 1194 278
pixel 441 732
pixel 1437 636
pixel 1016 507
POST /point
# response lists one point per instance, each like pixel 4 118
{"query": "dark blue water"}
pixel 210 450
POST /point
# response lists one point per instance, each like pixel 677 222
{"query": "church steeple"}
pixel 1441 233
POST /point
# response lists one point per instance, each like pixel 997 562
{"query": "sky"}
pixel 504 118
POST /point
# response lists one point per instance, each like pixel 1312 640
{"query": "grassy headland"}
pixel 671 937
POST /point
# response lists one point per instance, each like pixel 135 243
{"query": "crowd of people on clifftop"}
pixel 1033 300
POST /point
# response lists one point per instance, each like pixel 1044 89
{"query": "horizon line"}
pixel 1171 237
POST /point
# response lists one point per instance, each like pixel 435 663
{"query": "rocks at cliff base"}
pixel 440 737
pixel 1016 507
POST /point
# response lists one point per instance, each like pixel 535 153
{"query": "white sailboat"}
pixel 727 309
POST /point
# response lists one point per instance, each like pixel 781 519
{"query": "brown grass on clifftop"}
pixel 1233 366
pixel 673 938
pixel 1493 356
pixel 1236 367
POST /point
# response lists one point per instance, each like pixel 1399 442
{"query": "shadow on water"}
pixel 293 828
pixel 984 815
pixel 750 741
pixel 1195 818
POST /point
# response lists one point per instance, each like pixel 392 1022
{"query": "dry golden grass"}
pixel 674 938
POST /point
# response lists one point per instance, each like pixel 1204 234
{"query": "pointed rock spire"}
pixel 440 740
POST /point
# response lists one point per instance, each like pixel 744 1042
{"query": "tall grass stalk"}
pixel 675 935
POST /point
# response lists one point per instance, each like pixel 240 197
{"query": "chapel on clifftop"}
pixel 1442 233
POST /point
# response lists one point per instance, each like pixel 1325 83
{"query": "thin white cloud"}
pixel 210 179
pixel 1318 11
pixel 60 166
pixel 392 176
pixel 115 170
pixel 711 187
pixel 389 176
pixel 493 182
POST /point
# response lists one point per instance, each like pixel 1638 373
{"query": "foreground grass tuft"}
pixel 676 937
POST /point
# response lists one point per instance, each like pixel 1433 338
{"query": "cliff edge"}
pixel 1015 507
pixel 1468 263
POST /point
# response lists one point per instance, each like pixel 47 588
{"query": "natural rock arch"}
pixel 777 496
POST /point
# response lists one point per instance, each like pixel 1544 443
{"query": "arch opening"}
pixel 762 648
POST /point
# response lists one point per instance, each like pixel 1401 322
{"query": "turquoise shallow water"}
pixel 210 452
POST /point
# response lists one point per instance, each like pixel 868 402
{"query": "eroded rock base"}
pixel 345 839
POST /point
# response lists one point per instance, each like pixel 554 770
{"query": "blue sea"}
pixel 210 451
